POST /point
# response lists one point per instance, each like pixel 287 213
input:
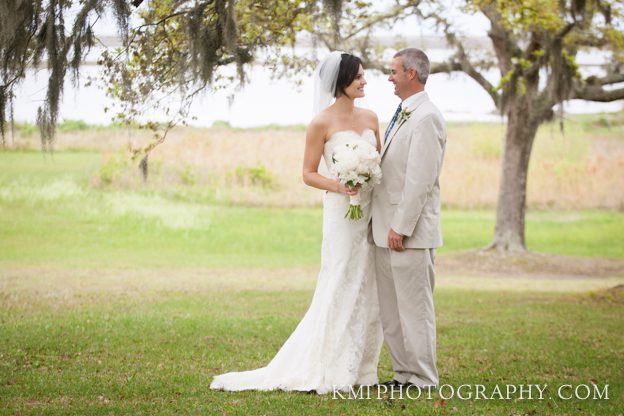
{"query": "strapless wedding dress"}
pixel 337 343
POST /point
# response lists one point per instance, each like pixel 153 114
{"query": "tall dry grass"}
pixel 575 169
pixel 583 168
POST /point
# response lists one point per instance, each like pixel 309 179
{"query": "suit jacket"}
pixel 408 197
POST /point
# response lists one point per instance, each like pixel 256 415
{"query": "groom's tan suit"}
pixel 408 201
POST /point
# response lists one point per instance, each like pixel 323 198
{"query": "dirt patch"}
pixel 492 263
pixel 473 270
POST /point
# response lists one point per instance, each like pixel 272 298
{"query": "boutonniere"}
pixel 404 115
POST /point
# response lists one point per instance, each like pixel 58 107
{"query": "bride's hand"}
pixel 347 190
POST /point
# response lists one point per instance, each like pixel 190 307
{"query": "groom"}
pixel 406 223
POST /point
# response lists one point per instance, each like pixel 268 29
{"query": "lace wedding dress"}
pixel 337 343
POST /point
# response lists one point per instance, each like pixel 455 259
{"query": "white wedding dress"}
pixel 337 343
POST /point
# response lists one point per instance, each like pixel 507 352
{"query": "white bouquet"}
pixel 356 163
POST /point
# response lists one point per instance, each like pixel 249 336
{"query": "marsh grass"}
pixel 579 168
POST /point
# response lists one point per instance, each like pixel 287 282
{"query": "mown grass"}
pixel 150 351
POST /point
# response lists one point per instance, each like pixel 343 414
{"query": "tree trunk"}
pixel 143 167
pixel 510 211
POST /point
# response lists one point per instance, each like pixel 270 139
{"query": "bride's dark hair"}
pixel 349 67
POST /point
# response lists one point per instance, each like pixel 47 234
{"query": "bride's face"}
pixel 356 88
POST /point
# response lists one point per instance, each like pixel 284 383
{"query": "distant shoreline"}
pixel 27 128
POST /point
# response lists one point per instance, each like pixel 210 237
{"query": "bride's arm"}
pixel 377 134
pixel 315 141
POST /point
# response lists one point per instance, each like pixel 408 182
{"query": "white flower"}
pixel 404 115
pixel 356 163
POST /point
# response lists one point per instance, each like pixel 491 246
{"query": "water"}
pixel 264 101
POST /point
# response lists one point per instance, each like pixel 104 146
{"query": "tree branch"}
pixel 595 93
pixel 326 41
pixel 448 66
pixel 460 62
pixel 467 67
pixel 504 46
pixel 564 31
pixel 606 80
pixel 198 7
pixel 394 14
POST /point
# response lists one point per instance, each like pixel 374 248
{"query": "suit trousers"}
pixel 405 282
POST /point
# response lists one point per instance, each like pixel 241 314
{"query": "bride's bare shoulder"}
pixel 320 123
pixel 368 115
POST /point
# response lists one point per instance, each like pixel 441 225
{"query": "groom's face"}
pixel 399 77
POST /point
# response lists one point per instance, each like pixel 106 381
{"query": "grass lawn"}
pixel 128 302
pixel 105 345
pixel 136 230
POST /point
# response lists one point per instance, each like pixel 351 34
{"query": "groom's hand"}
pixel 395 241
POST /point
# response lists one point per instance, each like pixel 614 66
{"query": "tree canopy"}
pixel 177 46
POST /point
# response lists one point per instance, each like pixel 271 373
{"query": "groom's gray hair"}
pixel 414 58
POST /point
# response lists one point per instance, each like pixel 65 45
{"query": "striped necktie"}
pixel 394 118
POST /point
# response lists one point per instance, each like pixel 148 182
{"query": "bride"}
pixel 337 343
